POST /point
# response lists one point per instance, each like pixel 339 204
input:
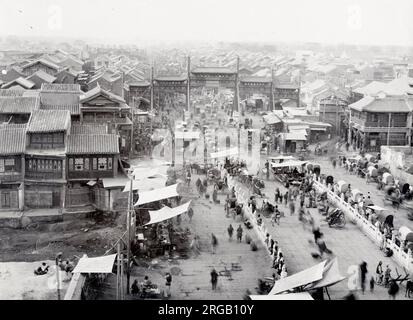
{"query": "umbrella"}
pixel 388 178
pixel 342 186
pixel 406 234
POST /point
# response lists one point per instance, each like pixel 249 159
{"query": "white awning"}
pixel 188 135
pixel 102 264
pixel 292 163
pixel 288 296
pixel 146 184
pixel 331 276
pixel 282 158
pixel 157 194
pixel 299 279
pixel 377 208
pixel 224 153
pixel 167 213
pixel 91 183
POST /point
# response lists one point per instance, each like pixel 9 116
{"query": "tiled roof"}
pixel 74 109
pixel 92 144
pixel 43 76
pixel 59 98
pixel 49 121
pixel 371 104
pixel 61 87
pixel 12 141
pixel 91 94
pixel 44 62
pixel 78 128
pixel 11 93
pixel 213 70
pixel 18 105
pixel 25 83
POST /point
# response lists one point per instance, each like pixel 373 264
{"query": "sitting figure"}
pixel 43 269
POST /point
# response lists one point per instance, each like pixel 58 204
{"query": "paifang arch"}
pixel 212 77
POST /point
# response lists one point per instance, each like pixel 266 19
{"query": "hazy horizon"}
pixel 362 22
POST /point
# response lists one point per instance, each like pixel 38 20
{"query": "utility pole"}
pixel 128 228
pixel 118 273
pixel 151 113
pixel 188 88
pixel 349 126
pixel 388 130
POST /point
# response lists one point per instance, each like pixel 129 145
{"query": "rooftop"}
pixel 12 141
pixel 43 76
pixel 385 104
pixel 97 91
pixel 18 105
pixel 93 144
pixel 44 62
pixel 25 83
pixel 49 121
pixel 61 87
pixel 78 128
pixel 213 70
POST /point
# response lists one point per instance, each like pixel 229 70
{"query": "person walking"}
pixel 286 198
pixel 230 232
pixel 379 272
pixel 322 247
pixel 190 214
pixel 168 282
pixel 267 170
pixel 239 233
pixel 363 274
pixel 214 279
pixel 292 207
pixel 214 243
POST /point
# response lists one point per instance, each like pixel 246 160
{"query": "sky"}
pixel 368 22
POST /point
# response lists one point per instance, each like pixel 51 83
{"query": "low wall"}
pixel 402 258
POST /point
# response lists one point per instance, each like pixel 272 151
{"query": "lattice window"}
pixel 86 164
pixel 79 164
pixel 102 164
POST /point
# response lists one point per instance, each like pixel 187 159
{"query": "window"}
pixel 109 163
pixel 95 164
pixel 102 164
pixel 86 164
pixel 70 163
pixel 79 164
pixel 1 165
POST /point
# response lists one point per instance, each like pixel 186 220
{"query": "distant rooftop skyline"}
pixel 363 22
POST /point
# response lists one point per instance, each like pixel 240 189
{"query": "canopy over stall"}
pixel 291 163
pixel 299 279
pixel 377 208
pixel 281 158
pixel 157 195
pixel 102 264
pixel 331 276
pixel 146 184
pixel 167 213
pixel 224 153
pixel 287 296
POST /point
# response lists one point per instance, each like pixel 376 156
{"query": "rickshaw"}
pixel 356 196
pixel 362 165
pixel 370 158
pixel 341 187
pixel 406 235
pixel 336 219
pixel 372 174
pixel 392 195
pixel 385 219
pixel 214 174
pixel 387 179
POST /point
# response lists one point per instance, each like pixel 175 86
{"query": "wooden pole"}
pixel 128 228
pixel 118 273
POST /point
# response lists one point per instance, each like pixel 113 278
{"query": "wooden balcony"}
pixel 11 176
